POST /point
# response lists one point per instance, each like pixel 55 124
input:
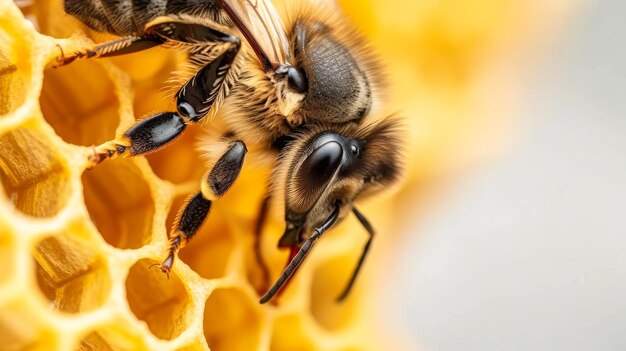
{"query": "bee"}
pixel 302 93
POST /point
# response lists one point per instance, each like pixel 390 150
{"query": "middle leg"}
pixel 214 184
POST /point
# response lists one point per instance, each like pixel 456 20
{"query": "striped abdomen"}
pixel 126 17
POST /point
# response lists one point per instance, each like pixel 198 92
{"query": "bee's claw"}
pixel 165 267
pixel 109 149
pixel 63 60
pixel 59 59
pixel 95 158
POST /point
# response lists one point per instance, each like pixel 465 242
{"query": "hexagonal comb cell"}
pixel 232 321
pixel 207 253
pixel 71 274
pixel 32 176
pixel 120 204
pixel 82 110
pixel 329 281
pixel 112 337
pixel 160 302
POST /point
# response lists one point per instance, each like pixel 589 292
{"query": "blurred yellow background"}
pixel 513 232
pixel 459 73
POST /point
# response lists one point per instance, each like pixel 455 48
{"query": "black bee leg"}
pixel 217 181
pixel 146 136
pixel 300 256
pixel 209 48
pixel 187 223
pixel 117 47
pixel 370 231
pixel 198 95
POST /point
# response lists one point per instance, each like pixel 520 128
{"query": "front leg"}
pixel 160 31
pixel 215 184
pixel 193 102
pixel 118 47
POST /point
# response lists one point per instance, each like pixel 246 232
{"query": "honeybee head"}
pixel 329 170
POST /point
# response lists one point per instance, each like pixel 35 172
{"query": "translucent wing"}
pixel 260 24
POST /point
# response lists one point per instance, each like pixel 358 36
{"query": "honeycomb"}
pixel 76 245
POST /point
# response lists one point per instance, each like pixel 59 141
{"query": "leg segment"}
pixel 300 256
pixel 185 226
pixel 117 47
pixel 209 48
pixel 370 231
pixel 154 35
pixel 144 137
pixel 214 185
pixel 197 96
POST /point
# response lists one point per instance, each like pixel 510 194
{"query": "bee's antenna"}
pixel 236 18
pixel 300 256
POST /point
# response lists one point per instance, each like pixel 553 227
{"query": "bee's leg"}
pixel 154 35
pixel 116 47
pixel 297 259
pixel 216 182
pixel 146 136
pixel 370 231
pixel 194 101
pixel 197 96
pixel 210 49
pixel 187 223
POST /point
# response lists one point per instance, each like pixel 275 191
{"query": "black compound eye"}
pixel 313 176
pixel 297 80
pixel 323 162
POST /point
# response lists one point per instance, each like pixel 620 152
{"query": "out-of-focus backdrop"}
pixel 514 237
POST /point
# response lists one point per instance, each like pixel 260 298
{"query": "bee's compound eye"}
pixel 321 164
pixel 186 110
pixel 297 80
